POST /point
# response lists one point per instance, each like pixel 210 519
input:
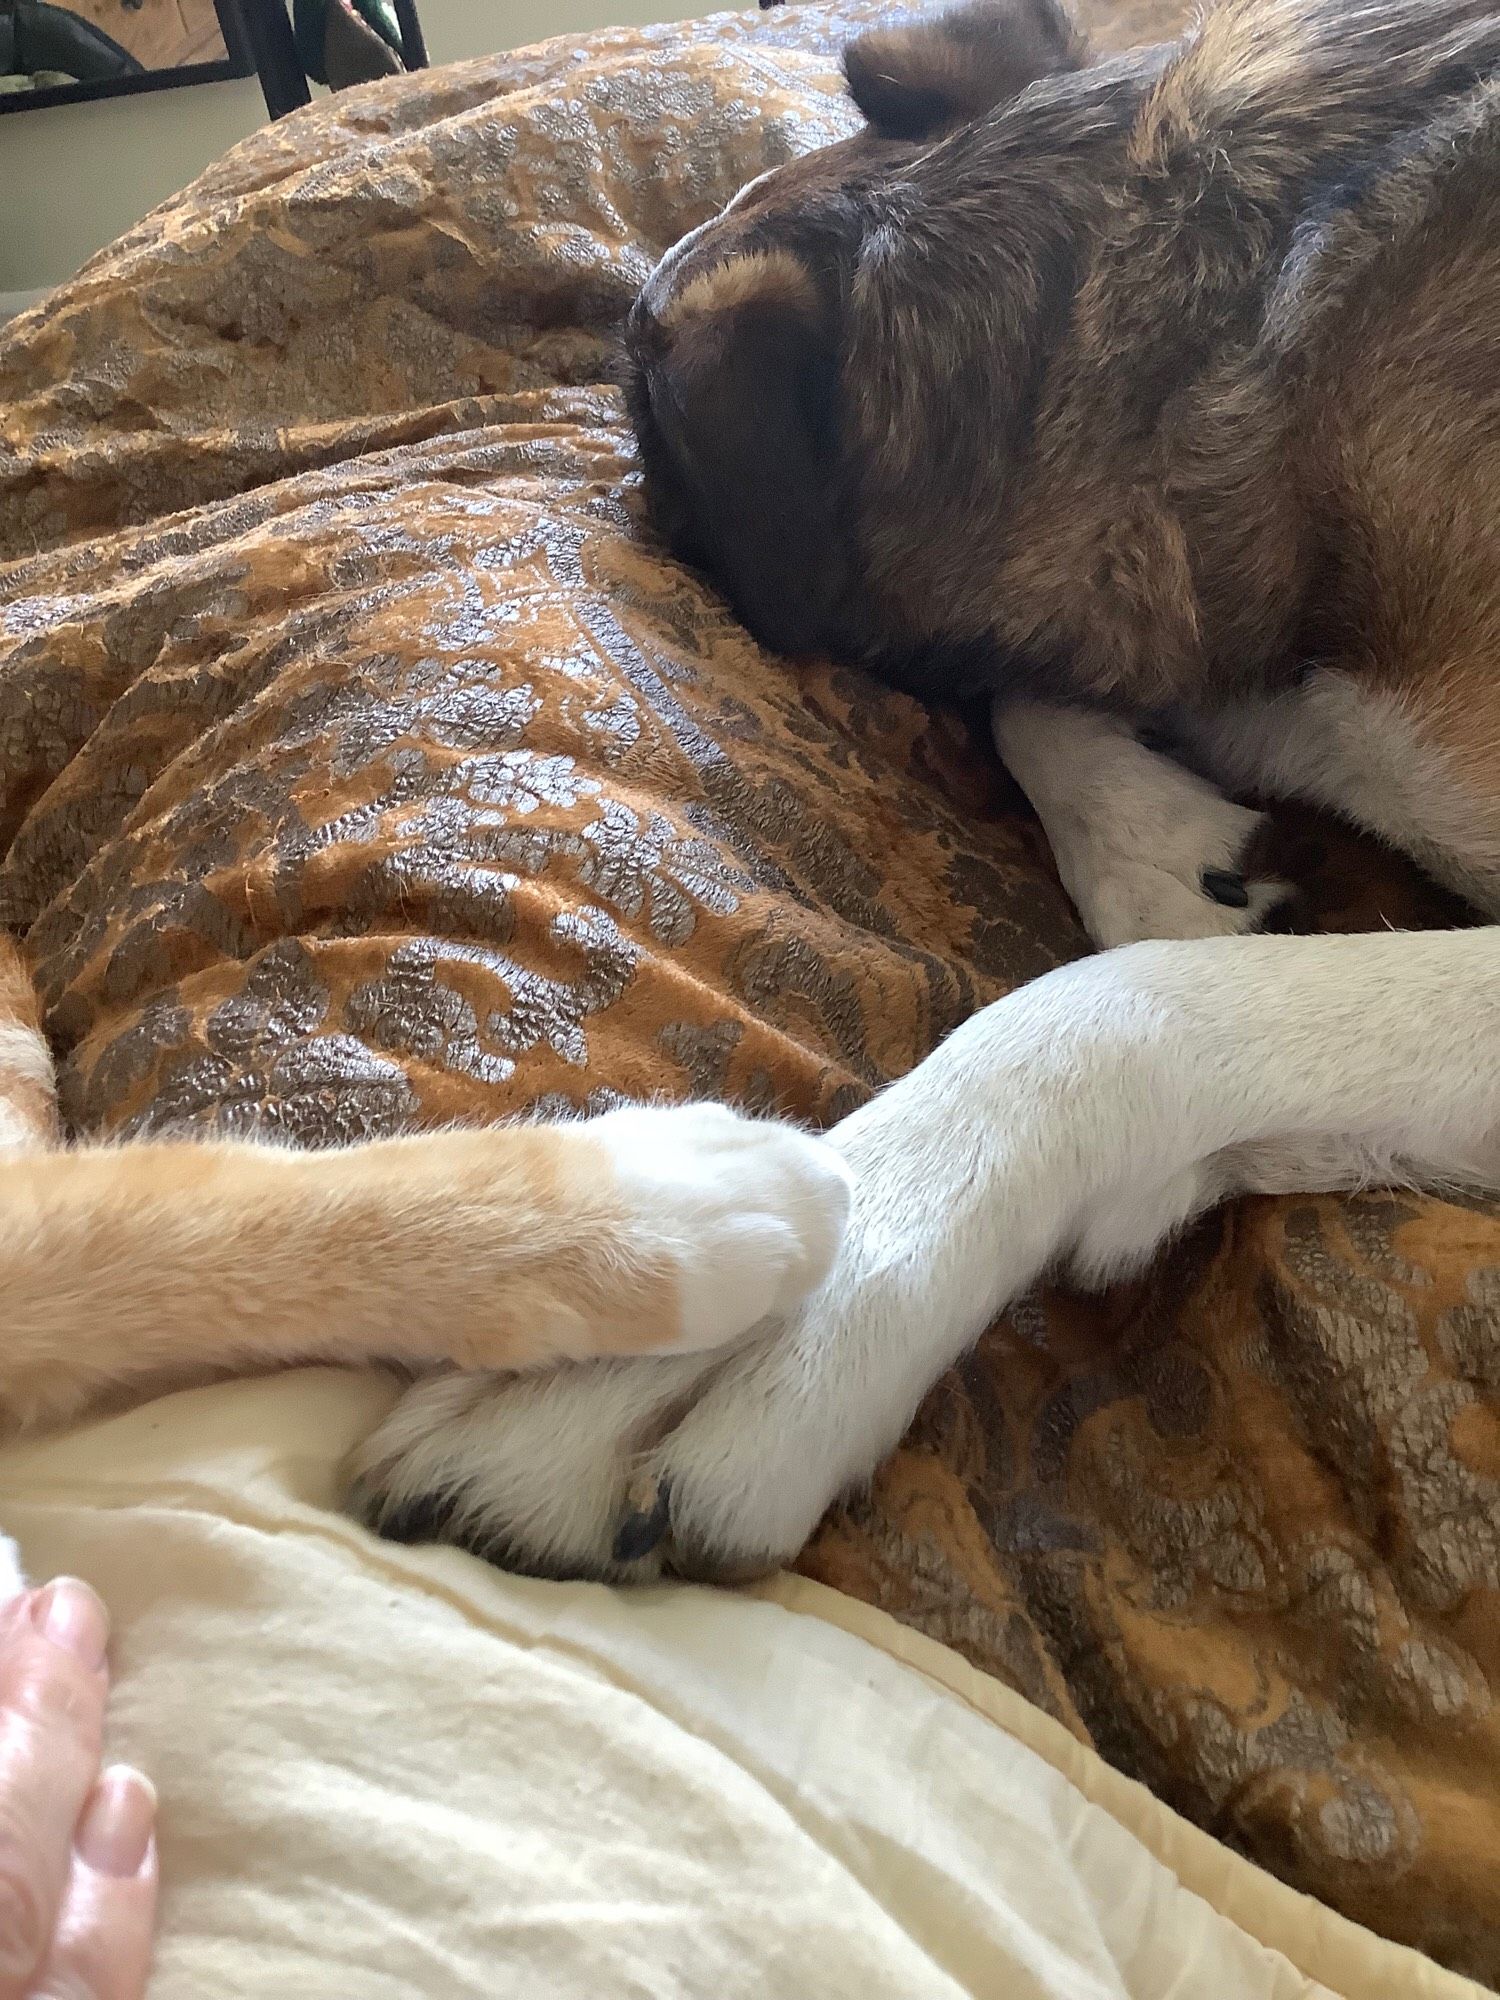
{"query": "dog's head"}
pixel 835 366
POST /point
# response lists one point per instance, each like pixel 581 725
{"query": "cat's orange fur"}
pixel 501 1248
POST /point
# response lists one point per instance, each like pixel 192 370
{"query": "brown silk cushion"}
pixel 362 764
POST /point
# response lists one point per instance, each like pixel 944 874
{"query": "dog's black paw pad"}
pixel 1225 887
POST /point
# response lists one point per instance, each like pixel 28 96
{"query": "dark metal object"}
pixel 413 42
pixel 273 52
pixel 283 80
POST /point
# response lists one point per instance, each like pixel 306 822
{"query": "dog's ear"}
pixel 736 407
pixel 919 82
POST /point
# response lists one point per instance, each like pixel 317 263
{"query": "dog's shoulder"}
pixel 1419 207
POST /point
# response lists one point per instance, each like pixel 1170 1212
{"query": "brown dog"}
pixel 1164 383
pixel 1168 381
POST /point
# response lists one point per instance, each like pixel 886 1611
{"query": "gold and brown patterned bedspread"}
pixel 361 763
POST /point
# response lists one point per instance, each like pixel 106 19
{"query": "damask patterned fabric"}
pixel 363 764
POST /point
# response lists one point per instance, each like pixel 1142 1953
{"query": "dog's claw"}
pixel 1226 887
pixel 648 1516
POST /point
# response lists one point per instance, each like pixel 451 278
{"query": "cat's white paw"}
pixel 749 1213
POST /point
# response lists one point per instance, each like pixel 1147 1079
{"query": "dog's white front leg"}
pixel 1089 1114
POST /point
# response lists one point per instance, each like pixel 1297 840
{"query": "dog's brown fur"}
pixel 1152 381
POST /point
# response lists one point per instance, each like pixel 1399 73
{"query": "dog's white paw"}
pixel 749 1213
pixel 706 1466
pixel 1126 899
pixel 1145 847
pixel 528 1471
pixel 739 1484
pixel 1167 857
